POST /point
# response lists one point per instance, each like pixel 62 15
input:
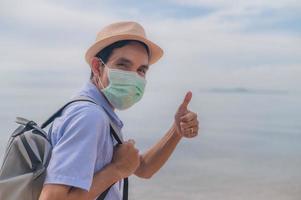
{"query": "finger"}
pixel 186 101
pixel 190 130
pixel 188 117
pixel 190 133
pixel 131 141
pixel 190 136
pixel 189 124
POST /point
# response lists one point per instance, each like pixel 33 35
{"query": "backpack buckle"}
pixel 25 126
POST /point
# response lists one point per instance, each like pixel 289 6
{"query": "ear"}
pixel 96 66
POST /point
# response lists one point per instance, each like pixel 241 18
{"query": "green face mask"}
pixel 125 88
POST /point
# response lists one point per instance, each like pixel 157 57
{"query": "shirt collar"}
pixel 90 90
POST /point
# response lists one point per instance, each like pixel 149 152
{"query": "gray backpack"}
pixel 27 156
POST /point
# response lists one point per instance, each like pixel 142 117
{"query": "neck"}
pixel 99 89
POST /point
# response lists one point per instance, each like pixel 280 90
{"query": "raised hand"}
pixel 187 124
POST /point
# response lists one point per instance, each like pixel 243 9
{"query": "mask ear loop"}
pixel 99 81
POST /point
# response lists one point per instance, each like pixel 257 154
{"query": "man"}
pixel 84 161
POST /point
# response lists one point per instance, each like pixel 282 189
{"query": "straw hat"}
pixel 123 31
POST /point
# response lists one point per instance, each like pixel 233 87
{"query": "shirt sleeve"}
pixel 74 155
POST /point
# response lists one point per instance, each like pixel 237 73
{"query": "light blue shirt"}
pixel 82 143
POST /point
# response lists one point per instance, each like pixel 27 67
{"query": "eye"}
pixel 142 71
pixel 123 66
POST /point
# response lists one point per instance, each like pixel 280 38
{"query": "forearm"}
pixel 101 181
pixel 153 159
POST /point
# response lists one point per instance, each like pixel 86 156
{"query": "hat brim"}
pixel 155 51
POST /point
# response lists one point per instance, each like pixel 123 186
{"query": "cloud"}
pixel 204 50
pixel 239 3
pixel 253 16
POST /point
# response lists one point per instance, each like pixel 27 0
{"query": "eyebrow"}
pixel 125 60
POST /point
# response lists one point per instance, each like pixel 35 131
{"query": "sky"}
pixel 253 44
pixel 207 43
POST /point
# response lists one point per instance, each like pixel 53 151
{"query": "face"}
pixel 132 57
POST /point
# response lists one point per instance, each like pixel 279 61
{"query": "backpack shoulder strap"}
pixel 76 99
pixel 112 131
pixel 59 112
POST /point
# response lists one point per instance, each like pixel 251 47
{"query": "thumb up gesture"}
pixel 187 124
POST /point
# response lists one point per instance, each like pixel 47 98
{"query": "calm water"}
pixel 249 146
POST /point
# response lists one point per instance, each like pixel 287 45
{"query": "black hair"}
pixel 106 52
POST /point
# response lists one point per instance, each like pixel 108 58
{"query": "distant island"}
pixel 244 90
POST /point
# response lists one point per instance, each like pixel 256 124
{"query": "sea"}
pixel 248 146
